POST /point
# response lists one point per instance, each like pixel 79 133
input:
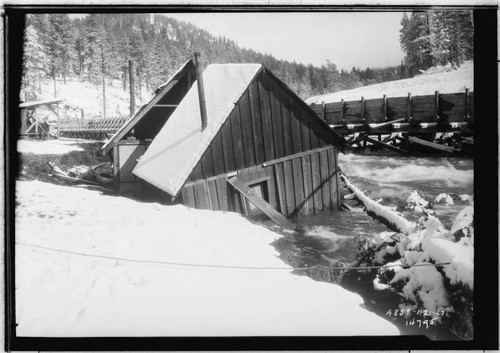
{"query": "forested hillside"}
pixel 96 49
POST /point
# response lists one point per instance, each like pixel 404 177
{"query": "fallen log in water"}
pixel 380 212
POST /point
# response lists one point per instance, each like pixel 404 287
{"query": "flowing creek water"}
pixel 333 235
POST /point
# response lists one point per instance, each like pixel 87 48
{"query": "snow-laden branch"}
pixel 378 211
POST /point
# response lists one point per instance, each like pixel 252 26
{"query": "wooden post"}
pixel 132 86
pixel 324 110
pixel 201 90
pixel 467 103
pixel 342 111
pixel 409 111
pixel 385 108
pixel 363 108
pixel 436 105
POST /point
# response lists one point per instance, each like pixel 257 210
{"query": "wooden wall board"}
pixel 201 195
pixel 316 183
pixel 308 185
pixel 267 118
pixel 222 192
pixel 240 155
pixel 188 196
pixel 247 130
pixel 325 181
pixel 277 119
pixel 256 118
pixel 228 146
pixel 218 155
pixel 374 111
pixel 289 187
pixel 298 183
pixel 280 188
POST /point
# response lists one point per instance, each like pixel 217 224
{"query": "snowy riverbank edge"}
pixel 93 265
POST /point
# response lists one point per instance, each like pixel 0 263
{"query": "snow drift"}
pixel 93 265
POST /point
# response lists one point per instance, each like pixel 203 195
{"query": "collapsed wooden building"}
pixel 259 147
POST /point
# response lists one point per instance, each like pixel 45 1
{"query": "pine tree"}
pixel 35 63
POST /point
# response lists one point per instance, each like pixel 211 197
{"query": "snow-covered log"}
pixel 380 212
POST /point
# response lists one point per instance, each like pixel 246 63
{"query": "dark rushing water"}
pixel 393 179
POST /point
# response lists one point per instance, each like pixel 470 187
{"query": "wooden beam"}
pixel 358 140
pixel 165 106
pixel 409 110
pixel 386 145
pixel 342 118
pixel 436 105
pixel 467 103
pixel 432 145
pixel 376 126
pixel 385 107
pixel 261 204
pixel 297 155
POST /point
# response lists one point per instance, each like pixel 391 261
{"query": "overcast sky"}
pixel 361 39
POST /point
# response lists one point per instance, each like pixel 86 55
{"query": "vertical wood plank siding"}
pixel 267 123
pixel 308 185
pixel 238 154
pixel 228 146
pixel 276 117
pixel 325 185
pixel 256 117
pixel 246 130
pixel 316 183
pixel 301 186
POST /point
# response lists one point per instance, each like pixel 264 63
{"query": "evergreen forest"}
pixel 97 48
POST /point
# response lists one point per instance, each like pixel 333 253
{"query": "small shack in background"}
pixel 261 143
pixel 30 124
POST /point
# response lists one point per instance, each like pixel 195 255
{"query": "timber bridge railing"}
pixel 450 112
pixel 90 128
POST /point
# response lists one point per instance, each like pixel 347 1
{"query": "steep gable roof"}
pixel 180 144
pixel 160 92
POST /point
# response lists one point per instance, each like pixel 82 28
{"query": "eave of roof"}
pixel 134 119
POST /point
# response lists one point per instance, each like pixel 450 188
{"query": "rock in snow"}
pixel 74 293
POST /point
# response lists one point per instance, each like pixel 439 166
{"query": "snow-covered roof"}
pixel 180 144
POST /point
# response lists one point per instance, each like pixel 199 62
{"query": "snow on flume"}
pixel 95 265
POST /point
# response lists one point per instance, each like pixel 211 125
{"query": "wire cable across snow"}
pixel 117 258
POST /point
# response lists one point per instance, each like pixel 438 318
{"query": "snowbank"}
pixel 63 293
pixel 427 83
pixel 47 147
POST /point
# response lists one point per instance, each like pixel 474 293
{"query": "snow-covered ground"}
pixel 434 79
pixel 53 147
pixel 78 94
pixel 94 265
